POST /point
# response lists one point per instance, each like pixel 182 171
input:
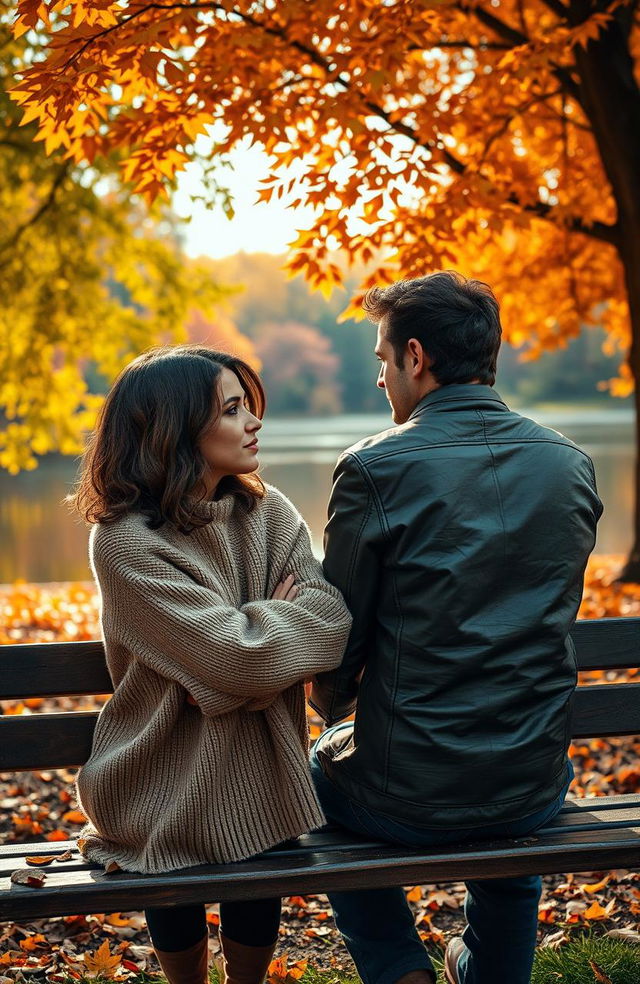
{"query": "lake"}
pixel 42 541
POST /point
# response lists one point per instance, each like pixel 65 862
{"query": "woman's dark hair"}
pixel 143 454
pixel 457 322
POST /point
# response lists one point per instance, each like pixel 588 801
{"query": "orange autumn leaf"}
pixel 596 886
pixel 280 973
pixel 414 894
pixel 74 816
pixel 33 942
pixel 102 961
pixel 40 862
pixel 117 919
pixel 595 912
pixel 56 835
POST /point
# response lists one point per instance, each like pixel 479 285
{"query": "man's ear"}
pixel 418 359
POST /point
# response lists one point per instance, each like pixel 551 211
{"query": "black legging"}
pixel 179 927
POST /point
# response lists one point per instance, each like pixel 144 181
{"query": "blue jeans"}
pixel 378 926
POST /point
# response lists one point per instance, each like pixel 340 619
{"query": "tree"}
pixel 298 369
pixel 499 136
pixel 220 333
pixel 88 279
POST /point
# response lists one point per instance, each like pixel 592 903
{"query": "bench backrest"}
pixel 63 740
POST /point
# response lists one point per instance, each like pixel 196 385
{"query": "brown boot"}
pixel 186 966
pixel 245 964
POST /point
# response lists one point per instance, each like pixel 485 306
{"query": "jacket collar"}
pixel 458 396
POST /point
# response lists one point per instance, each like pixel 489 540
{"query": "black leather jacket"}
pixel 459 541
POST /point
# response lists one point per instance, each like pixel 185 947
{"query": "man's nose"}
pixel 380 380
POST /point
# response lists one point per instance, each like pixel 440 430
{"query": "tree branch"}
pixel 516 38
pixel 557 7
pixel 597 230
pixel 49 201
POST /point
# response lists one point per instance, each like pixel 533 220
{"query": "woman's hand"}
pixel 286 589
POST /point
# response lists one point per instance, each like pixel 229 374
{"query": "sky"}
pixel 262 228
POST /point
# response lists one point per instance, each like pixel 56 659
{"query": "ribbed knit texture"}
pixel 169 785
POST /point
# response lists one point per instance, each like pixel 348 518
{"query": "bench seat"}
pixel 588 835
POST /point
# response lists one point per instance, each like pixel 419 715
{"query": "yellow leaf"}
pixel 101 961
pixel 595 911
pixel 415 894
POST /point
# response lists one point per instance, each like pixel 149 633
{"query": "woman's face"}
pixel 230 444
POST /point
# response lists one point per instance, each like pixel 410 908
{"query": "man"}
pixel 459 539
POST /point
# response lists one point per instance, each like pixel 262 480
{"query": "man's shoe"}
pixel 455 948
pixel 186 966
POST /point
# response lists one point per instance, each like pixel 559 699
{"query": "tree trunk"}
pixel 631 570
pixel 610 98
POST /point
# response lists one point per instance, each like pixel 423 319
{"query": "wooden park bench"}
pixel 589 835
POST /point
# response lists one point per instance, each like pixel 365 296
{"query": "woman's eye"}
pixel 233 411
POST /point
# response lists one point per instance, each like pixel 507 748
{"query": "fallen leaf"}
pixel 117 919
pixel 595 911
pixel 40 862
pixel 629 935
pixel 414 894
pixel 596 886
pixel 102 962
pixel 32 942
pixel 74 816
pixel 67 856
pixel 112 867
pixel 24 876
pixel 599 973
pixel 57 835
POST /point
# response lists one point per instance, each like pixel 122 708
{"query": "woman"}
pixel 214 611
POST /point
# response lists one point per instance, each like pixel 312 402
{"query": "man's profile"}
pixel 459 539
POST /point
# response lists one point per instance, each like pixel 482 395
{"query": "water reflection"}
pixel 43 541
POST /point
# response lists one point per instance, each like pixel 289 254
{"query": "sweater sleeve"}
pixel 186 632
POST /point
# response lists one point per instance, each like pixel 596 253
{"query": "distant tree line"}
pixel 312 364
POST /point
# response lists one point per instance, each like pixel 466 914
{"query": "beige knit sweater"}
pixel 169 784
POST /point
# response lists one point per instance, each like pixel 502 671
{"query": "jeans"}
pixel 378 926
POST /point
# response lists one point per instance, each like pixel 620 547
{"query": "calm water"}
pixel 42 541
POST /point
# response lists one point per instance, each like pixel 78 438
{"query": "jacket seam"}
pixel 372 497
pixel 398 640
pixel 494 473
pixel 455 444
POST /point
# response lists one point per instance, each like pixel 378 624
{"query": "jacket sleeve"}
pixel 186 632
pixel 353 545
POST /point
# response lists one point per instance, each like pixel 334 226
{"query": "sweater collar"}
pixel 460 396
pixel 213 509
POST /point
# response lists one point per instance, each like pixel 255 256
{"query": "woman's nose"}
pixel 253 424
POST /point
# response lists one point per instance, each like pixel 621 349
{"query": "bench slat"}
pixel 607 643
pixel 58 669
pixel 51 741
pixel 46 741
pixel 606 710
pixel 596 820
pixel 53 669
pixel 306 872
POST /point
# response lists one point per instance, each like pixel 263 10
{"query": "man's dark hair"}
pixel 457 322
